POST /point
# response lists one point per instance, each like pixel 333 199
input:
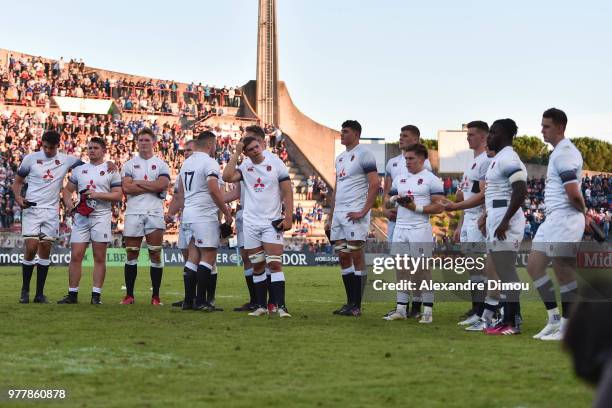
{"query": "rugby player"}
pixel 199 185
pixel 97 189
pixel 145 180
pixel 409 135
pixel 349 219
pixel 267 188
pixel 43 172
pixel 505 191
pixel 418 193
pixel 558 236
pixel 470 199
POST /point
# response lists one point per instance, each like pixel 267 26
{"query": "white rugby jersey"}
pixel 45 177
pixel 261 186
pixel 199 205
pixel 148 170
pixel 352 169
pixel 564 166
pixel 96 178
pixel 397 165
pixel 497 184
pixel 470 181
pixel 420 187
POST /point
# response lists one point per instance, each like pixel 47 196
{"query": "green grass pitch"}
pixel 119 356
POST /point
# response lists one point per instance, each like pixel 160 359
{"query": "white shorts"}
pixel 94 229
pixel 413 240
pixel 514 235
pixel 472 240
pixel 343 229
pixel 560 234
pixel 182 241
pixel 239 229
pixel 139 225
pixel 40 223
pixel 204 234
pixel 256 235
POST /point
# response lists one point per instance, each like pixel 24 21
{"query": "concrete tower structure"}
pixel 267 63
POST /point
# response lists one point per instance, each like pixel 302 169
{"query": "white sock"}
pixel 564 323
pixel 427 310
pixel 401 309
pixel 96 290
pixel 487 315
pixel 75 290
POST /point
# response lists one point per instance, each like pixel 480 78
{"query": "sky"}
pixel 386 63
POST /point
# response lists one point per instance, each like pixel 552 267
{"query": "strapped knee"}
pixel 342 247
pixel 354 247
pixel 257 257
pixel 132 249
pixel 154 248
pixel 36 237
pixel 46 238
pixel 274 258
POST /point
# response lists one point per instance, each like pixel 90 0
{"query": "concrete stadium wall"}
pixel 315 141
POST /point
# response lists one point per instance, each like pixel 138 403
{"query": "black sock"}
pixel 203 275
pixel 271 296
pixel 357 289
pixel 129 273
pixel 41 278
pixel 567 301
pixel 156 278
pixel 95 295
pixel 251 287
pixel 212 288
pixel 416 306
pixel 26 274
pixel 261 290
pixel 190 282
pixel 347 279
pixel 547 292
pixel 278 288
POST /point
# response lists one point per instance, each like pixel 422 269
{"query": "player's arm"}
pixel 519 192
pixel 371 198
pixel 434 208
pixel 287 198
pixel 17 187
pixel 231 174
pixel 476 200
pixel 389 211
pixel 332 204
pixel 154 186
pixel 233 194
pixel 217 196
pixel 114 195
pixel 130 187
pixel 67 195
pixel 572 189
pixel 178 199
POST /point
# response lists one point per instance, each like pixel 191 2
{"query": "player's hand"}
pixel 169 219
pixel 112 167
pixel 391 214
pixel 287 224
pixel 20 202
pixel 447 204
pixel 239 147
pixel 355 216
pixel 328 222
pixel 90 194
pixel 500 232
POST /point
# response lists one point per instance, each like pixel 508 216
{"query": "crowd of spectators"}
pixel 32 81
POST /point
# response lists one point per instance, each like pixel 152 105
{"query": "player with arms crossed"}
pixel 97 188
pixel 562 230
pixel 44 173
pixel 199 185
pixel 470 198
pixel 505 191
pixel 349 219
pixel 145 182
pixel 409 135
pixel 418 193
pixel 267 187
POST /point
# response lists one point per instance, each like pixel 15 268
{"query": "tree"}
pixel 596 154
pixel 430 144
pixel 531 149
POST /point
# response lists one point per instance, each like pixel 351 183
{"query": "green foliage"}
pixel 596 154
pixel 431 144
pixel 531 149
